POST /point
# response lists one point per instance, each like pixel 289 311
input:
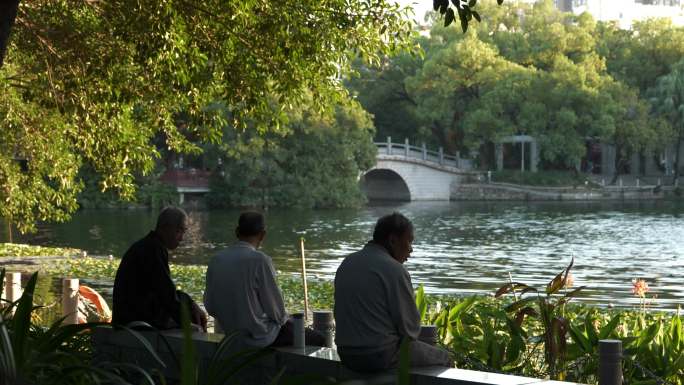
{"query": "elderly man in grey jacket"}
pixel 375 306
pixel 242 293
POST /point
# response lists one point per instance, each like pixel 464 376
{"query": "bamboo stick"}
pixel 306 290
pixel 510 279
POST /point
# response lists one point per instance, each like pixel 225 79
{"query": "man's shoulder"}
pixel 372 259
pixel 238 253
pixel 141 246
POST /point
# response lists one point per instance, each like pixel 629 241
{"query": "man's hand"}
pixel 199 317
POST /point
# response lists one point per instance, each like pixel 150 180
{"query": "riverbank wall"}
pixel 513 192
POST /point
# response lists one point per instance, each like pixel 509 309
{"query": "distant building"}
pixel 626 12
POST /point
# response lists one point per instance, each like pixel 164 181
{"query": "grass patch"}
pixel 23 250
pixel 191 279
pixel 484 333
pixel 543 178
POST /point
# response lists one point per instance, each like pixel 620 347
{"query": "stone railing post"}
pixel 324 323
pixel 610 362
pixel 498 150
pixel 534 156
pixel 389 145
pixel 424 151
pixel 458 159
pixel 441 155
pixel 522 156
pixel 12 290
pixel 70 301
pixel 406 147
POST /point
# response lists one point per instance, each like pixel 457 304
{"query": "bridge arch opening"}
pixel 384 185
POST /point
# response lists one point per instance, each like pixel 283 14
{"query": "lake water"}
pixel 460 248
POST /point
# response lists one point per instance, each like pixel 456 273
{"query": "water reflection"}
pixel 459 248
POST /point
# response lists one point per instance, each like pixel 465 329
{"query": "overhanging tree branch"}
pixel 8 12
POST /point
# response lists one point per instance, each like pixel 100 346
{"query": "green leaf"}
pixel 528 311
pixel 189 369
pixel 463 16
pixel 517 344
pixel 520 304
pixel 590 329
pixel 580 339
pixel 8 366
pixel 444 7
pixel 509 287
pixel 461 307
pixel 675 331
pixel 421 302
pixel 559 280
pixel 404 375
pixel 21 322
pixel 609 328
pixel 449 18
pixel 648 335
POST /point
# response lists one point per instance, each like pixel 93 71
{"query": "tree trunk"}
pixel 618 164
pixel 8 12
pixel 441 135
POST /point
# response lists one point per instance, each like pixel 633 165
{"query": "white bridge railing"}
pixel 421 152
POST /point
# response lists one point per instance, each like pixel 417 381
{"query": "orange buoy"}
pixel 92 307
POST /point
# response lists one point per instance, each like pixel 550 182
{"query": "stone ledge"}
pixel 121 345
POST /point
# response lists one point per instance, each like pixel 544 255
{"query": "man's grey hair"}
pixel 171 217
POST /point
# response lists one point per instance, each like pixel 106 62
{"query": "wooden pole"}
pixel 510 279
pixel 306 290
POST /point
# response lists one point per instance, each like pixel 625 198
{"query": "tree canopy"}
pixel 100 83
pixel 529 69
pixel 314 161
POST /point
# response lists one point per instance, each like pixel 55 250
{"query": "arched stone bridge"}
pixel 410 173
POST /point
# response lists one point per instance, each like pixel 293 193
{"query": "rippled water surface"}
pixel 459 248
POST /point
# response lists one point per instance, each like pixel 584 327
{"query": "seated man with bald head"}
pixel 375 308
pixel 143 288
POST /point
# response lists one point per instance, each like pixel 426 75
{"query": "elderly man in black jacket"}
pixel 143 288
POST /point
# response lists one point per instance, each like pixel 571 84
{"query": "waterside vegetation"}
pixel 522 330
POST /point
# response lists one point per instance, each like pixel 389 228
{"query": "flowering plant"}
pixel 640 288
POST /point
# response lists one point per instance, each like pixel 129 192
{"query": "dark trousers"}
pixel 286 336
pixel 420 354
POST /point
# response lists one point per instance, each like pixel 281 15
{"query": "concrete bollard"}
pixel 428 334
pixel 323 323
pixel 70 301
pixel 610 362
pixel 12 290
pixel 298 338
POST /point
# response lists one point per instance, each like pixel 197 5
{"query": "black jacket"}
pixel 143 288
